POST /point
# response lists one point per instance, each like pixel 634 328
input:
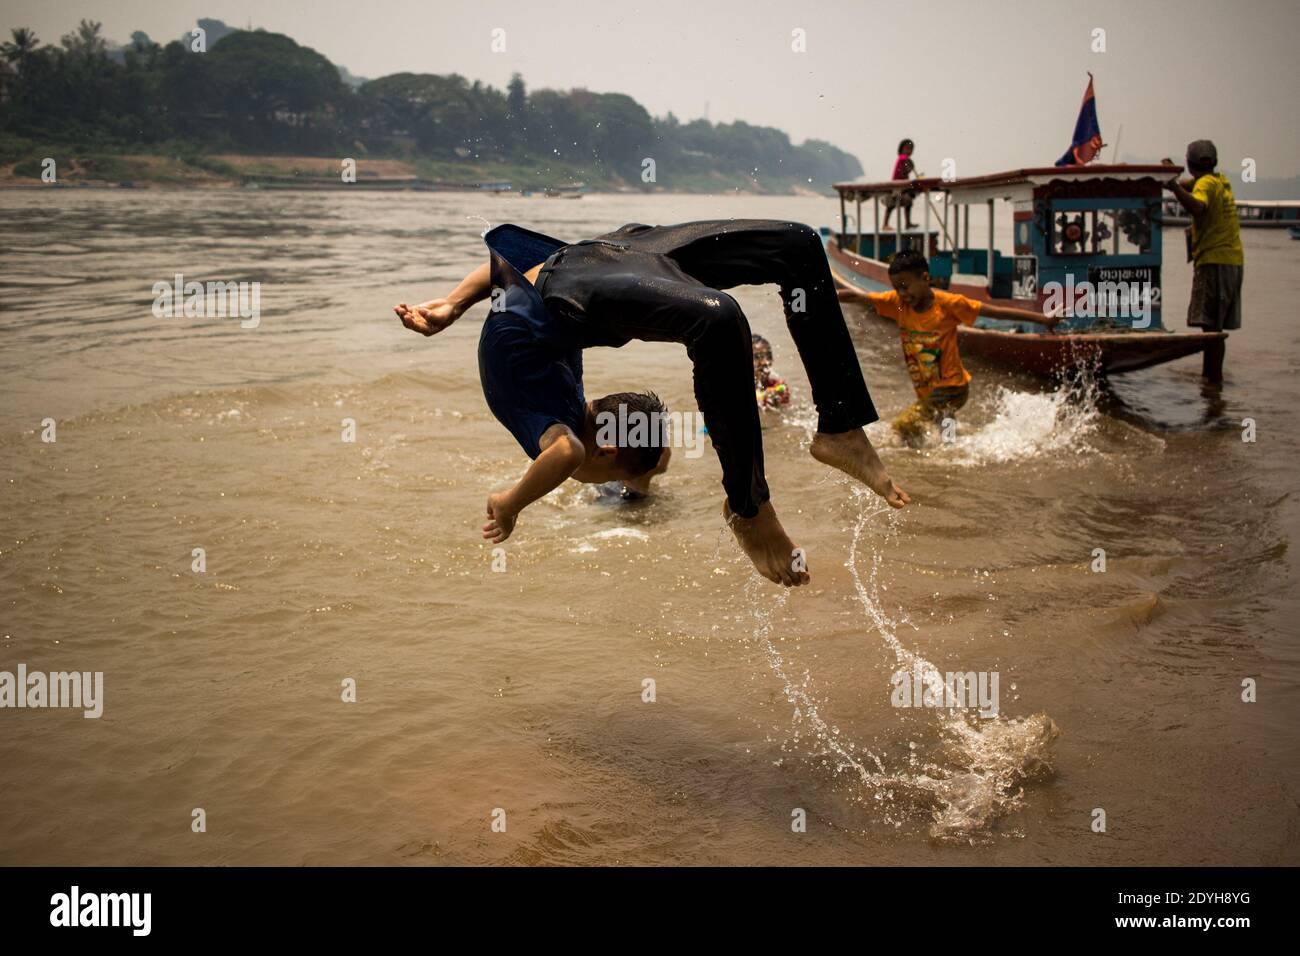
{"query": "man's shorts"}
pixel 1216 298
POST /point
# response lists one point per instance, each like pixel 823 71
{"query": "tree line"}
pixel 252 91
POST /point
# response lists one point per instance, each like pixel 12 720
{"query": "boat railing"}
pixel 952 224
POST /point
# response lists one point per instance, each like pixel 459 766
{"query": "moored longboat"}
pixel 1081 234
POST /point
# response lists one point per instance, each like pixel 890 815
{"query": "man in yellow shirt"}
pixel 1216 253
pixel 927 324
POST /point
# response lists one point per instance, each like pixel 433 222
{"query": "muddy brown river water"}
pixel 519 694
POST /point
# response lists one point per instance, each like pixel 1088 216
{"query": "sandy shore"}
pixel 227 170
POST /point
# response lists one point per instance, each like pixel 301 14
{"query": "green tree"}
pixel 274 93
pixel 20 48
pixel 86 42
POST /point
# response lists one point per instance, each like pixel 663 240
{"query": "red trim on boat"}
pixel 1011 178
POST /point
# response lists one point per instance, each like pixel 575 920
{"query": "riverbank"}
pixel 22 165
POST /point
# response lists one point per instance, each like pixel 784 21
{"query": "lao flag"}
pixel 1087 133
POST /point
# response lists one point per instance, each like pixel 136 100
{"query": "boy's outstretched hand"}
pixel 430 317
pixel 848 293
pixel 501 521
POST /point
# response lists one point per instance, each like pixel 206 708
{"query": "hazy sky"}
pixel 994 84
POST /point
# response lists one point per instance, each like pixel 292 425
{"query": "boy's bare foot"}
pixel 851 452
pixel 768 546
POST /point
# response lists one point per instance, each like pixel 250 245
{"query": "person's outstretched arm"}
pixel 1184 195
pixel 562 455
pixel 1018 315
pixel 430 318
pixel 851 293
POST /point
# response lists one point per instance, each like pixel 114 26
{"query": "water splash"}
pixel 800 698
pixel 975 773
pixel 983 761
pixel 1026 425
pixel 487 225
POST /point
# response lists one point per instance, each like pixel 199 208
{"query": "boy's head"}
pixel 631 433
pixel 905 147
pixel 762 353
pixel 1202 157
pixel 910 274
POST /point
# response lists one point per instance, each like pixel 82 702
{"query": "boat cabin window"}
pixel 1100 232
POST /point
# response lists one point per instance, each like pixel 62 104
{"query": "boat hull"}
pixel 1043 353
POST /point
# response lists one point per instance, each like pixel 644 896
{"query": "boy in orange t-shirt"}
pixel 927 323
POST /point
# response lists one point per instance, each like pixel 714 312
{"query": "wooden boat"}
pixel 1251 213
pixel 1086 237
pixel 575 191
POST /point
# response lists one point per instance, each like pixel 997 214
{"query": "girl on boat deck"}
pixel 903 169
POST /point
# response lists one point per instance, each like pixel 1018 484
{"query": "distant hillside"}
pixel 255 92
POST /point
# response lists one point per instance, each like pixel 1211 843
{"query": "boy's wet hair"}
pixel 903 144
pixel 640 458
pixel 909 260
pixel 756 339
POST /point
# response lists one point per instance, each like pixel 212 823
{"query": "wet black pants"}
pixel 663 284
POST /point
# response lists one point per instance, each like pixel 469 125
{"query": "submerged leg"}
pixel 912 424
pixel 1212 362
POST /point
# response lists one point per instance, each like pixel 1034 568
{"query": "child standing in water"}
pixel 927 323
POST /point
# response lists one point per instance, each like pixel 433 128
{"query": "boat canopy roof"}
pixel 1011 185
